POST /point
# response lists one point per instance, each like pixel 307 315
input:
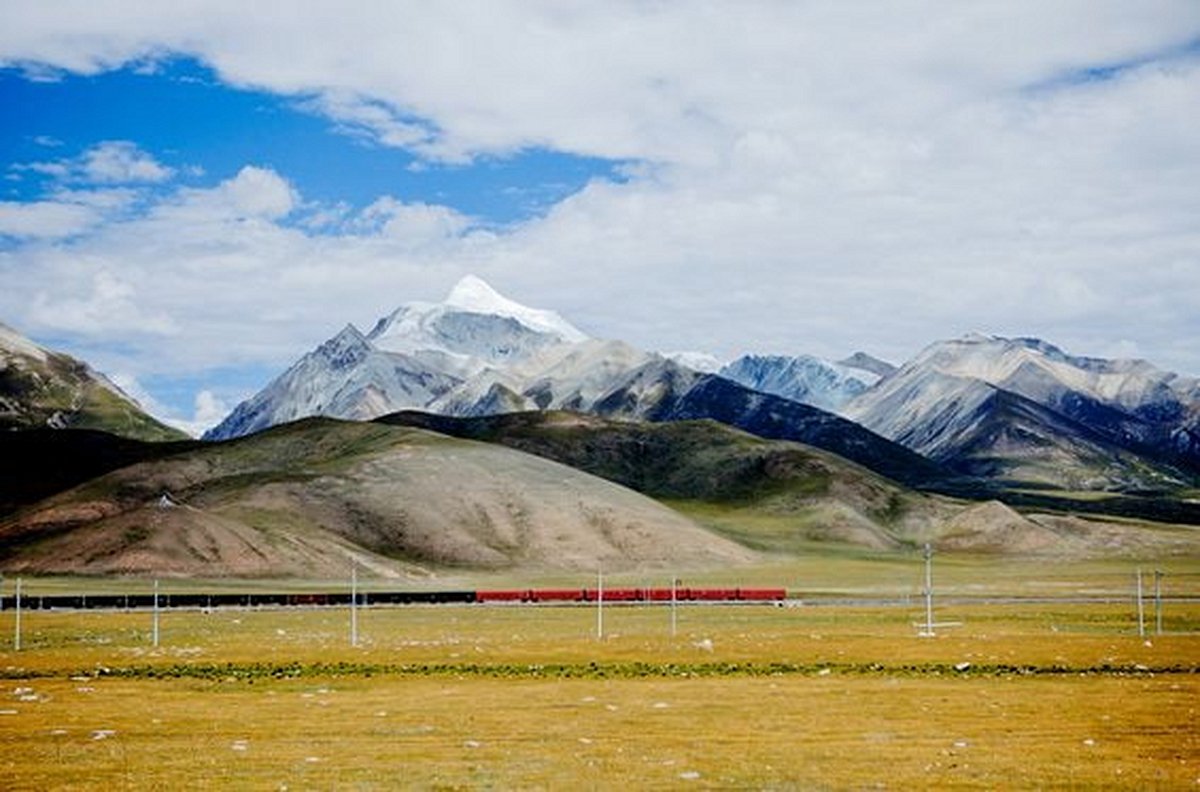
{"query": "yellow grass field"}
pixel 494 697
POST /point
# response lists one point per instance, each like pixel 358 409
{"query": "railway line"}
pixel 534 597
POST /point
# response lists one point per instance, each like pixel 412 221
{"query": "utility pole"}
pixel 17 633
pixel 1158 576
pixel 600 604
pixel 155 629
pixel 354 605
pixel 1141 609
pixel 674 583
pixel 928 631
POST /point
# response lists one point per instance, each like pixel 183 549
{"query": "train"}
pixel 193 600
pixel 635 595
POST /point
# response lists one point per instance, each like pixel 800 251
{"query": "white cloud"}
pixel 807 177
pixel 45 219
pixel 615 79
pixel 207 412
pixel 108 162
pixel 121 162
pixel 108 199
pixel 109 306
pixel 254 197
pixel 210 277
pixel 258 192
pixel 412 224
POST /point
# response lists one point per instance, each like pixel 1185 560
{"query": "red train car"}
pixel 762 595
pixel 618 594
pixel 557 595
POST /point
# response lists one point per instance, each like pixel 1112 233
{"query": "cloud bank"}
pixel 807 177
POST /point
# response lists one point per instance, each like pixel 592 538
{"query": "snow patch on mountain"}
pixel 806 379
pixel 696 361
pixel 1041 371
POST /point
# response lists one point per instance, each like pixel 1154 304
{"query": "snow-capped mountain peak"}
pixel 696 361
pixel 475 327
pixel 422 355
pixel 473 295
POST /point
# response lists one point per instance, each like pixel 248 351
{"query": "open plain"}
pixel 1043 681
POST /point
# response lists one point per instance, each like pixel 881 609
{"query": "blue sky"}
pixel 194 194
pixel 207 131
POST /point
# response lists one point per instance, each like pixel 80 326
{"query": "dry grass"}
pixel 786 732
pixel 1076 636
pixel 866 702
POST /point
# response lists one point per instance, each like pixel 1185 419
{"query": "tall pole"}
pixel 928 590
pixel 17 632
pixel 155 631
pixel 354 605
pixel 1158 576
pixel 1141 610
pixel 600 604
pixel 674 582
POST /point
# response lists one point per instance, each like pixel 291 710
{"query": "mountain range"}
pixel 979 411
pixel 1024 411
pixel 479 353
pixel 408 449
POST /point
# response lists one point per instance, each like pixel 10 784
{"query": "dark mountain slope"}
pixel 38 463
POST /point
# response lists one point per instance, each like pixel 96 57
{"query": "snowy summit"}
pixel 473 295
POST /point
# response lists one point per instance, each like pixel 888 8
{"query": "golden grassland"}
pixel 529 697
pixel 505 697
pixel 781 733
